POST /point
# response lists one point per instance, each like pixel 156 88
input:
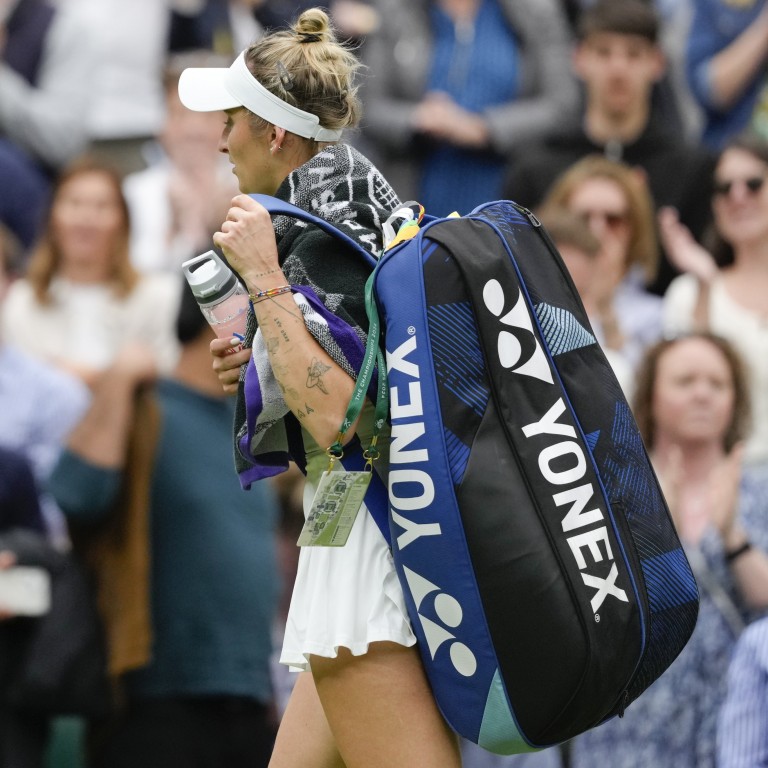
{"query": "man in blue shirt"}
pixel 184 561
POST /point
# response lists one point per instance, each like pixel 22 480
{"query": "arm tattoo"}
pixel 315 375
pixel 283 332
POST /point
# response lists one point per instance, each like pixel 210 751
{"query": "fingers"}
pixel 224 347
pixel 7 559
pixel 228 359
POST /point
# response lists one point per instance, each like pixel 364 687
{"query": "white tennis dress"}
pixel 346 596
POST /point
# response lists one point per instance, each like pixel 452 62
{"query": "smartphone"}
pixel 25 591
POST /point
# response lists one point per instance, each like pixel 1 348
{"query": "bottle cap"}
pixel 209 277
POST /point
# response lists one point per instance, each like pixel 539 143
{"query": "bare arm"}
pixel 733 68
pixel 101 437
pixel 314 387
pixel 749 569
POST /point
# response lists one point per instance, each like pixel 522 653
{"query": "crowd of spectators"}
pixel 636 130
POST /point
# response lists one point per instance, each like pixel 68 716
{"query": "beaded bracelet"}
pixel 268 294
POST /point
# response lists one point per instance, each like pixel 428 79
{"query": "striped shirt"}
pixel 742 734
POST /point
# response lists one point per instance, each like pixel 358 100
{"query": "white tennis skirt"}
pixel 346 596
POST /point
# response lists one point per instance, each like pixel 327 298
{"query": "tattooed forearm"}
pixel 315 375
pixel 283 332
pixel 302 413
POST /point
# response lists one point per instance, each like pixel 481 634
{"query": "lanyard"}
pixel 372 353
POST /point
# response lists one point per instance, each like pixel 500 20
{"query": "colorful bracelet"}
pixel 268 294
pixel 734 553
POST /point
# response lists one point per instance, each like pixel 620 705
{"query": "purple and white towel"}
pixel 343 187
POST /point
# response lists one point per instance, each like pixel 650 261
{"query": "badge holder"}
pixel 340 492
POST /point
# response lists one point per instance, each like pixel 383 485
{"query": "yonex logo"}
pixel 518 348
pixel 448 610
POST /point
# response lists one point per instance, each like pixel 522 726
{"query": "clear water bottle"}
pixel 222 297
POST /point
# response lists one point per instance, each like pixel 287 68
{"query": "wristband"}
pixel 268 294
pixel 738 552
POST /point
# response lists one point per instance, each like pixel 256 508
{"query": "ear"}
pixel 276 138
pixel 577 60
pixel 658 64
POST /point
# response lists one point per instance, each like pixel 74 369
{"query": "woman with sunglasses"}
pixel 614 200
pixel 725 284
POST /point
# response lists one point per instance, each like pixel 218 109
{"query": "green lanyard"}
pixel 372 352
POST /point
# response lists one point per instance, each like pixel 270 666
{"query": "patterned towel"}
pixel 343 187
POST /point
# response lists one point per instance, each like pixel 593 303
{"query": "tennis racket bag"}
pixel 543 575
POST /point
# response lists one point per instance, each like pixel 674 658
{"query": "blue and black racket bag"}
pixel 544 577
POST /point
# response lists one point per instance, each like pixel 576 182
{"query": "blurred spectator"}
pixel 692 405
pixel 39 404
pixel 676 17
pixel 24 194
pixel 224 27
pixel 454 86
pixel 614 200
pixel 619 60
pixel 730 300
pixel 742 730
pixel 23 738
pixel 181 198
pixel 81 299
pixel 581 251
pixel 184 561
pixel 127 94
pixel 48 60
pixel 672 98
pixel 48 55
pixel 727 48
pixel 51 652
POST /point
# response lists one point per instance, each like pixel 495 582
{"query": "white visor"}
pixel 210 89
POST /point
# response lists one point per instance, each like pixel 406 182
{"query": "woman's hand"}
pixel 248 242
pixel 682 249
pixel 724 486
pixel 227 361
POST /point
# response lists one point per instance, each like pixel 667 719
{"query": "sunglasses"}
pixel 612 219
pixel 723 188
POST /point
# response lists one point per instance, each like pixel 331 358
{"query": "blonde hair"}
pixel 46 257
pixel 307 67
pixel 643 248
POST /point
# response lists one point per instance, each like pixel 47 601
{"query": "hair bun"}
pixel 313 26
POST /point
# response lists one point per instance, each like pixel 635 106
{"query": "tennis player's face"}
pixel 253 164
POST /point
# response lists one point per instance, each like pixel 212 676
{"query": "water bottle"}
pixel 222 297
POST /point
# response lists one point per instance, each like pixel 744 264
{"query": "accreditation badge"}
pixel 337 501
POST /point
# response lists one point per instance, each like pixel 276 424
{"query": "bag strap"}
pixel 379 507
pixel 279 207
pixel 709 582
